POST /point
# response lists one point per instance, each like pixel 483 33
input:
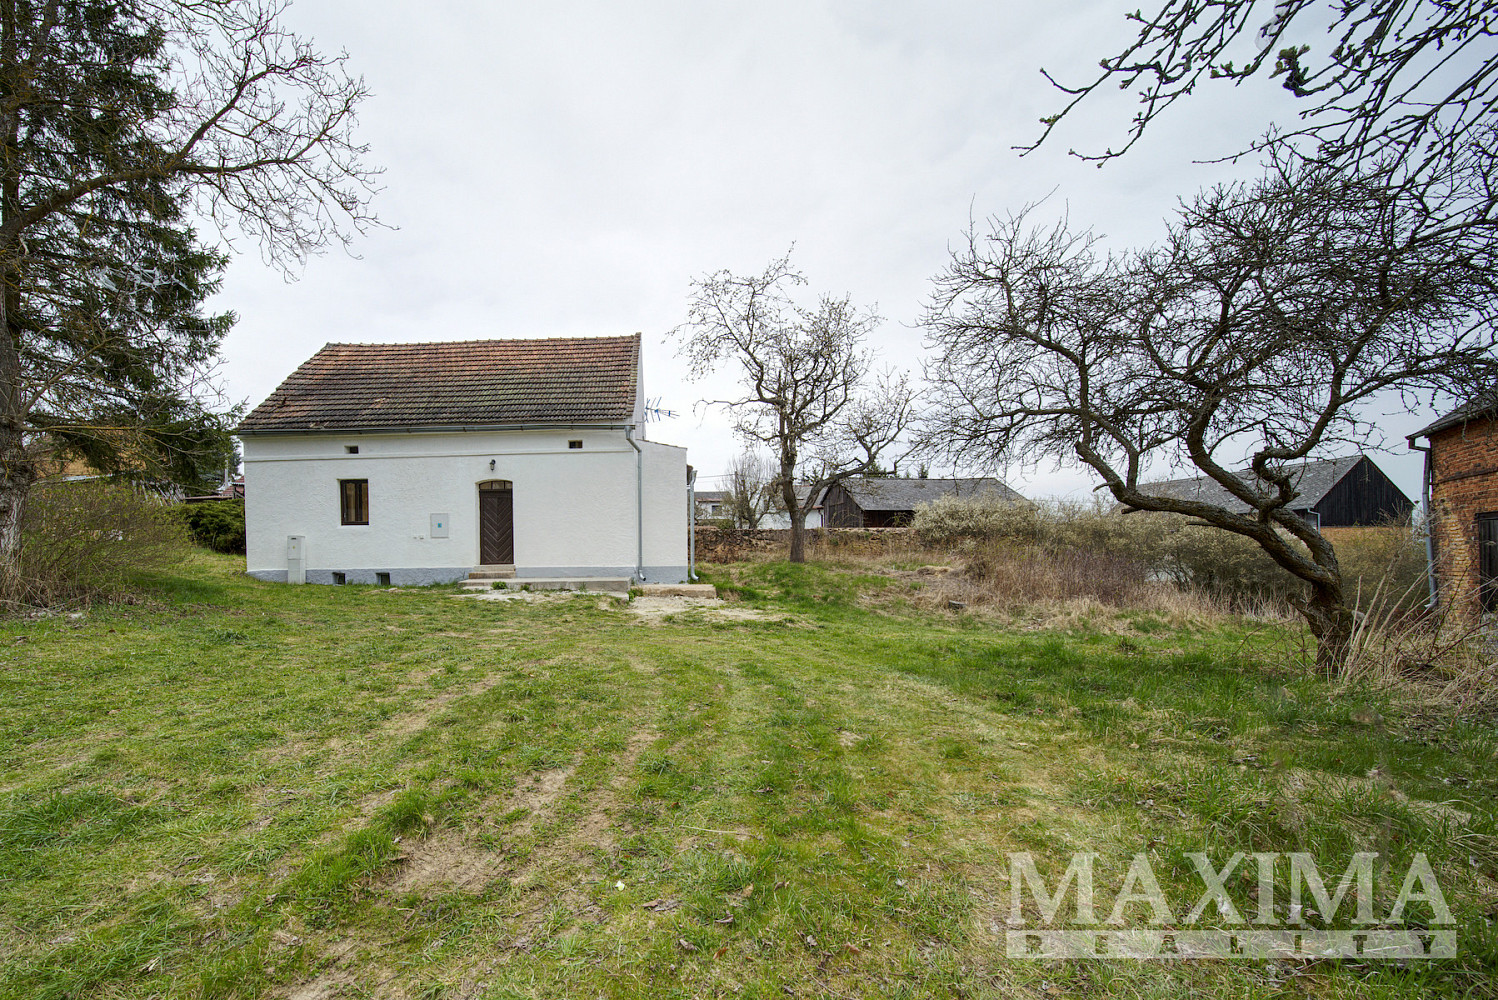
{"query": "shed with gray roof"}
pixel 870 502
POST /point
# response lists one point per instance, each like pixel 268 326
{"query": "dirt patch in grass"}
pixel 654 609
pixel 538 796
pixel 340 977
pixel 449 859
pixel 597 828
pixel 410 723
pixel 456 859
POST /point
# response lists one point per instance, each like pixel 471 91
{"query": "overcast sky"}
pixel 565 169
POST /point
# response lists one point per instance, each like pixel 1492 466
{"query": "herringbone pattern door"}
pixel 496 524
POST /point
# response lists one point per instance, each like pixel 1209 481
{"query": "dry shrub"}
pixel 1384 567
pixel 1017 576
pixel 865 545
pixel 1165 547
pixel 1452 663
pixel 954 520
pixel 1034 590
pixel 85 541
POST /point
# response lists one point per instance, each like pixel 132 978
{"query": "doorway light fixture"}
pixel 491 465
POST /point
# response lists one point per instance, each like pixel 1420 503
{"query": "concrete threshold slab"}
pixel 678 590
pixel 612 584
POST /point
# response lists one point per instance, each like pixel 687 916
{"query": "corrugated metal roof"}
pixel 457 383
pixel 907 494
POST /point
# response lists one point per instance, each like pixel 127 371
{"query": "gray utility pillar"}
pixel 296 558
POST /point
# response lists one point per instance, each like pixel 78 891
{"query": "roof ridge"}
pixel 483 340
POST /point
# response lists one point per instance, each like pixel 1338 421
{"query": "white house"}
pixel 419 463
pixel 781 519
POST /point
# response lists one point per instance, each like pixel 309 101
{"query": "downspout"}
pixel 629 435
pixel 1430 541
pixel 691 523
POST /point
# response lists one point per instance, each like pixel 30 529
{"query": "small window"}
pixel 339 579
pixel 351 449
pixel 353 500
pixel 1487 562
pixel 383 579
pixel 574 444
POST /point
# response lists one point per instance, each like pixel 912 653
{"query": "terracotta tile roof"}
pixel 464 383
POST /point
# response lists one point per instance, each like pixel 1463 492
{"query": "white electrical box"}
pixel 439 526
pixel 296 558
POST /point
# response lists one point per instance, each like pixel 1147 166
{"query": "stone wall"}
pixel 736 544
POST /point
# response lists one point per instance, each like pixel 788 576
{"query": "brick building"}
pixel 1461 497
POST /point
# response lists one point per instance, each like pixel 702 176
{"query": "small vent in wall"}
pixel 574 444
pixel 383 579
pixel 340 579
pixel 351 449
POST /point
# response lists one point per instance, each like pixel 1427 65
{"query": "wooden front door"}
pixel 496 523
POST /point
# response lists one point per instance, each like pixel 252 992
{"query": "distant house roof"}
pixel 802 492
pixel 1483 406
pixel 456 384
pixel 232 490
pixel 1313 481
pixel 907 494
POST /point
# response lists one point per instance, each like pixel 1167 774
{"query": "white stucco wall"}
pixel 779 519
pixel 574 510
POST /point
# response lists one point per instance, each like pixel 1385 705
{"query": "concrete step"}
pixel 678 590
pixel 617 585
pixel 492 572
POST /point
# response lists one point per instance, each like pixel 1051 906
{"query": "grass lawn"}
pixel 251 790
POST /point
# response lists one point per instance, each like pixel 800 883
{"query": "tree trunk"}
pixel 1331 623
pixel 17 471
pixel 13 490
pixel 787 482
pixel 798 534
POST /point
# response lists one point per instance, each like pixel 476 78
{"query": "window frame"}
pixel 349 504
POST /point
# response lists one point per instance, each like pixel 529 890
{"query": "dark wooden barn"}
pixel 891 503
pixel 1334 493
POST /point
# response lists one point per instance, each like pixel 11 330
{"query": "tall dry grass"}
pixel 1052 565
pixel 1061 551
pixel 1445 660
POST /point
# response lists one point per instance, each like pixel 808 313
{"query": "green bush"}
pixel 87 540
pixel 216 524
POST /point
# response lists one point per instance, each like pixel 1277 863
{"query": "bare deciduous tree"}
pixel 1258 334
pixel 751 489
pixel 1382 80
pixel 1397 93
pixel 810 392
pixel 121 121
